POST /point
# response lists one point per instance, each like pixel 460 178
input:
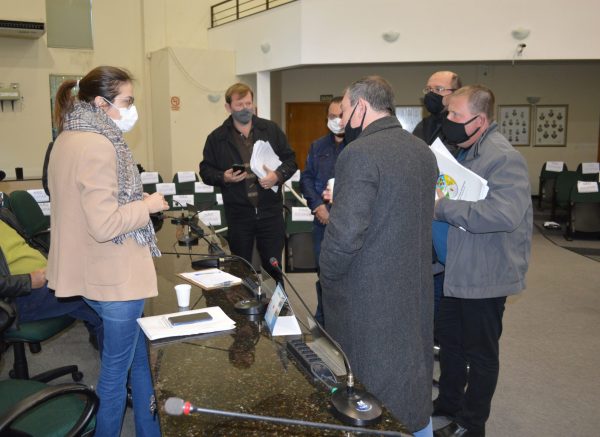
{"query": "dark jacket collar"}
pixel 388 122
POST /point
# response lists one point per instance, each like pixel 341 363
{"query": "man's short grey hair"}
pixel 375 90
pixel 480 98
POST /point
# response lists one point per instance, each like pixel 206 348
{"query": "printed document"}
pixel 456 181
pixel 156 327
pixel 263 154
pixel 211 278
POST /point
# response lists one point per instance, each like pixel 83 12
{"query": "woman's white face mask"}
pixel 129 116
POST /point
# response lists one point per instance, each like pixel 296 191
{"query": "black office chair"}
pixel 584 212
pixel 299 253
pixel 590 177
pixel 562 191
pixel 32 408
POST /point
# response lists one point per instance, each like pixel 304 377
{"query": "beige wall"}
pixel 555 82
pixel 118 40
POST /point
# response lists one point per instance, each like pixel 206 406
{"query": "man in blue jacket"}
pixel 320 164
pixel 487 257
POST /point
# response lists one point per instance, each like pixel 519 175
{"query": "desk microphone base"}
pixel 356 407
pixel 251 306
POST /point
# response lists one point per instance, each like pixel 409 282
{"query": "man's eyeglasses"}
pixel 128 100
pixel 437 89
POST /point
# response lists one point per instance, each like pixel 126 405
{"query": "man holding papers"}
pixel 486 250
pixel 252 200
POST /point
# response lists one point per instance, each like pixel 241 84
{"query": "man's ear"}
pixel 227 107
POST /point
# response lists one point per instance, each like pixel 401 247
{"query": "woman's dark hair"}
pixel 103 81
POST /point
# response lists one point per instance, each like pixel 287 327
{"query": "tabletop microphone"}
pixel 351 405
pixel 177 407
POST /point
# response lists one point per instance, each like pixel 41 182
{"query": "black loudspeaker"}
pixel 2 175
pixel 19 173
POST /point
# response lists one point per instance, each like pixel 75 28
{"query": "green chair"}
pixel 31 408
pixel 562 190
pixel 584 212
pixel 30 216
pixel 150 188
pixel 33 334
pixel 590 177
pixel 547 183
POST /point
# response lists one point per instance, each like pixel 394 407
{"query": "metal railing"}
pixel 232 10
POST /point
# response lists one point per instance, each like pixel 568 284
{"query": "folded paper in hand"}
pixel 156 327
pixel 456 181
pixel 263 155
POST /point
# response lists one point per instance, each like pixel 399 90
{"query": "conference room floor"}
pixel 550 349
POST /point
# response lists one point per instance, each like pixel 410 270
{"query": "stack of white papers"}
pixel 156 327
pixel 455 181
pixel 211 278
pixel 263 155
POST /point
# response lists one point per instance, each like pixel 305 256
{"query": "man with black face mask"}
pixel 487 245
pixel 252 209
pixel 439 85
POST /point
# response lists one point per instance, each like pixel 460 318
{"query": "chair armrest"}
pixel 48 393
pixel 7 315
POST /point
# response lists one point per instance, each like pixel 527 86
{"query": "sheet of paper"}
pixel 149 177
pixel 211 217
pixel 263 155
pixel 554 166
pixel 201 187
pixel 183 199
pixel 587 187
pixel 211 278
pixel 455 181
pixel 219 197
pixel 186 176
pixel 156 327
pixel 39 195
pixel 166 189
pixel 590 167
pixel 45 207
pixel 301 214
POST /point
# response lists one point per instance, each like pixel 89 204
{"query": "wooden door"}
pixel 304 123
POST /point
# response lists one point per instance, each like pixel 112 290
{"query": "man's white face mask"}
pixel 335 126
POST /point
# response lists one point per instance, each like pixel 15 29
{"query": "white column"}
pixel 263 94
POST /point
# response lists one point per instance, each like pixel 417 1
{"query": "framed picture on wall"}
pixel 514 122
pixel 409 116
pixel 550 125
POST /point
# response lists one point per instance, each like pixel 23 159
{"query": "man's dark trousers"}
pixel 469 332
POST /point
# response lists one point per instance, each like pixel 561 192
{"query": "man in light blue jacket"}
pixel 488 246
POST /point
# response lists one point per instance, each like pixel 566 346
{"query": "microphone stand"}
pixel 353 406
pixel 177 407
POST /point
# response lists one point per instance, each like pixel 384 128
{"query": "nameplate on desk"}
pixel 201 187
pixel 209 279
pixel 280 325
pixel 166 189
pixel 211 217
pixel 183 199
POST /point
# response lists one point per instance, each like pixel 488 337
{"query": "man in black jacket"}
pixel 252 208
pixel 23 281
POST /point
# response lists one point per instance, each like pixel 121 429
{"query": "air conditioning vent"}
pixel 21 29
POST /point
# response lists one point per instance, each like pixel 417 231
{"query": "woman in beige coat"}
pixel 102 237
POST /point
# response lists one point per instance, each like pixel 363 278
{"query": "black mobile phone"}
pixel 187 319
pixel 238 167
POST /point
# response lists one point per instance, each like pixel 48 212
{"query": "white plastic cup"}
pixel 183 294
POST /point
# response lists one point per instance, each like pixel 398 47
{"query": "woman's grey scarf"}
pixel 88 118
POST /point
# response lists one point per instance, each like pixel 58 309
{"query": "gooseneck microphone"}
pixel 178 407
pixel 352 405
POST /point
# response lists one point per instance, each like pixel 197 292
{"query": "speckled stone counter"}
pixel 245 370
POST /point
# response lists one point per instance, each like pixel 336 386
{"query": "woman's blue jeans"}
pixel 124 350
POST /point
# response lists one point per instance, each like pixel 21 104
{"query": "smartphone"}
pixel 187 319
pixel 238 167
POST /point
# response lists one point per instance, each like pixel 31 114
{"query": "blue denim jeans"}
pixel 124 351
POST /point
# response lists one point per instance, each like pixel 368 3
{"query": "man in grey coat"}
pixel 376 255
pixel 488 246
